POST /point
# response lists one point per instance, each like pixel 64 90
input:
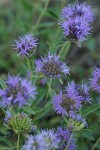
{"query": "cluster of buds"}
pixel 19 123
pixel 76 124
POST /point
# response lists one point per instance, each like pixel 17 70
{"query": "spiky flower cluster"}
pixel 19 123
pixel 46 140
pixel 17 92
pixel 26 45
pixel 51 66
pixel 68 103
pixel 67 140
pixel 76 21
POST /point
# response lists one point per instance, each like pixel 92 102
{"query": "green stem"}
pixel 64 3
pixel 65 119
pixel 42 14
pixel 29 67
pixel 94 146
pixel 49 88
pixel 18 141
pixel 3 110
pixel 37 76
pixel 69 141
pixel 67 46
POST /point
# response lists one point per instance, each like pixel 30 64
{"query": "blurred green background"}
pixel 40 17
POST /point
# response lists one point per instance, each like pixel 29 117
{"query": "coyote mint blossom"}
pixel 69 102
pixel 26 45
pixel 17 92
pixel 19 123
pixel 76 21
pixel 46 140
pixel 51 66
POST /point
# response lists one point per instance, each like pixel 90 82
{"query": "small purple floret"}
pixel 84 90
pixel 25 45
pixel 95 80
pixel 8 116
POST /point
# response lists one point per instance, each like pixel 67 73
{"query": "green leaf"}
pixel 5 147
pixel 88 135
pixel 42 94
pixel 29 110
pixel 91 44
pixel 46 25
pixel 60 80
pixel 6 141
pixel 91 109
pixel 64 50
pixel 52 92
pixel 45 111
pixel 52 14
pixel 2 83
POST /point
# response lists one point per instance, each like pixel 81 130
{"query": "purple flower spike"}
pixel 51 66
pixel 76 22
pixel 95 80
pixel 68 103
pixel 25 45
pixel 66 138
pixel 46 140
pixel 18 91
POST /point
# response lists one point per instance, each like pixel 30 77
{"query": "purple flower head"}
pixel 75 30
pixel 18 91
pixel 25 45
pixel 46 140
pixel 78 10
pixel 84 90
pixel 66 139
pixel 95 80
pixel 76 21
pixel 68 103
pixel 51 66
